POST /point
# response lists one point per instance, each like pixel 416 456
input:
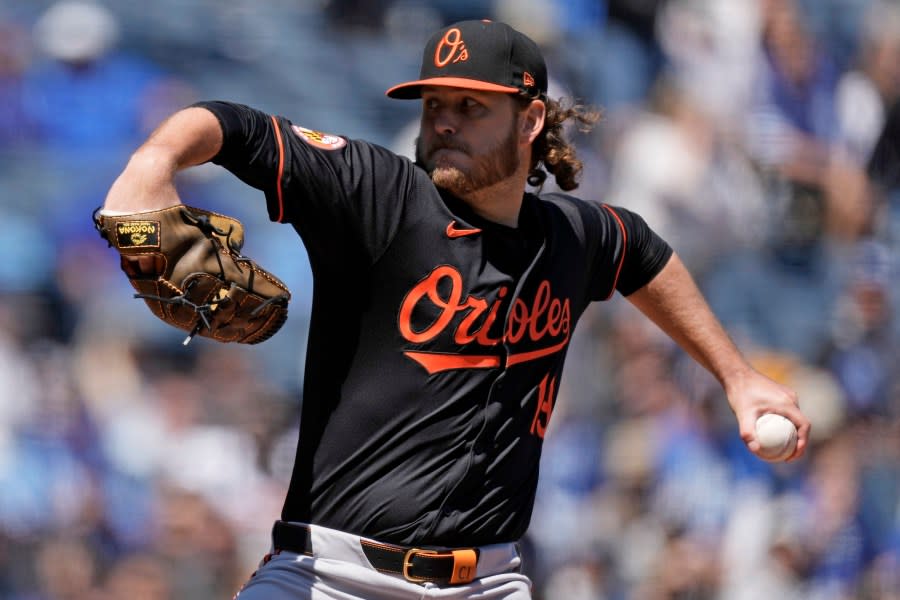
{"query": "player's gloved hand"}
pixel 185 263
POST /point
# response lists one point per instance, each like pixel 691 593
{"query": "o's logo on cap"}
pixel 450 49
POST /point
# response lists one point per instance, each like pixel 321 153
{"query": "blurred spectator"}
pixel 85 96
pixel 90 103
pixel 691 183
pixel 832 537
pixel 138 577
pixel 198 547
pixel 794 121
pixel 66 570
pixel 630 36
pixel 781 296
pixel 14 127
pixel 865 91
pixel 865 339
pixel 884 163
pixel 794 129
pixel 711 49
pixel 884 169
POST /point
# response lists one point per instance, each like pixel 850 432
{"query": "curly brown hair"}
pixel 551 152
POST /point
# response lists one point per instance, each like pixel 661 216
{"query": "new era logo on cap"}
pixel 481 55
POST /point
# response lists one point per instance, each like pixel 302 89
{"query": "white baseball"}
pixel 777 437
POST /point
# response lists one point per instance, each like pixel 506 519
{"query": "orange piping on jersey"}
pixel 435 362
pixel 280 168
pixel 624 247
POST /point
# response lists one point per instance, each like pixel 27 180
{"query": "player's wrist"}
pixel 736 378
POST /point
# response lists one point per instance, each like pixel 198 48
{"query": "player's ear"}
pixel 532 120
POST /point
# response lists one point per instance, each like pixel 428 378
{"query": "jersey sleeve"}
pixel 328 186
pixel 632 253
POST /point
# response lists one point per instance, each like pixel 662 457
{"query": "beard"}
pixel 489 167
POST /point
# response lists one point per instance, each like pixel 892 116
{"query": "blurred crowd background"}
pixel 760 137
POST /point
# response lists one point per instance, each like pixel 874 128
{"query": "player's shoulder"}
pixel 578 206
pixel 572 207
pixel 338 143
pixel 360 154
pixel 585 219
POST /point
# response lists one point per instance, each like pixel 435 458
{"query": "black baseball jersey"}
pixel 437 338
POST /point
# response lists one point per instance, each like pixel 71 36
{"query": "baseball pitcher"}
pixel 445 297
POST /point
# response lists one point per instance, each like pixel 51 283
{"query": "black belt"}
pixel 413 564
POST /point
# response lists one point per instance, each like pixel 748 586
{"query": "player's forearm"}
pixel 673 302
pixel 187 138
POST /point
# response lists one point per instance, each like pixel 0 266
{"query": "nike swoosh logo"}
pixel 454 232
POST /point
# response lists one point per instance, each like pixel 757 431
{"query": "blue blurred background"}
pixel 760 137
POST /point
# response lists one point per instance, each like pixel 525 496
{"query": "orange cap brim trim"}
pixel 413 89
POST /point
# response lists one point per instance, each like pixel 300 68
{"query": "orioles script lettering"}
pixel 545 321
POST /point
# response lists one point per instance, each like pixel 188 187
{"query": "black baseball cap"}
pixel 479 55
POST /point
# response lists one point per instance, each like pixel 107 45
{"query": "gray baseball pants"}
pixel 337 569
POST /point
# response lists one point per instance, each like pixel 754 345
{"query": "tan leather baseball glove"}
pixel 185 263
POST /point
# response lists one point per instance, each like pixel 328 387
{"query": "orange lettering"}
pixel 468 330
pixel 565 318
pixel 429 287
pixel 541 300
pixel 554 320
pixel 541 420
pixel 462 335
pixel 479 305
pixel 451 48
pixel 443 291
pixel 518 321
pixel 482 336
pixel 522 319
